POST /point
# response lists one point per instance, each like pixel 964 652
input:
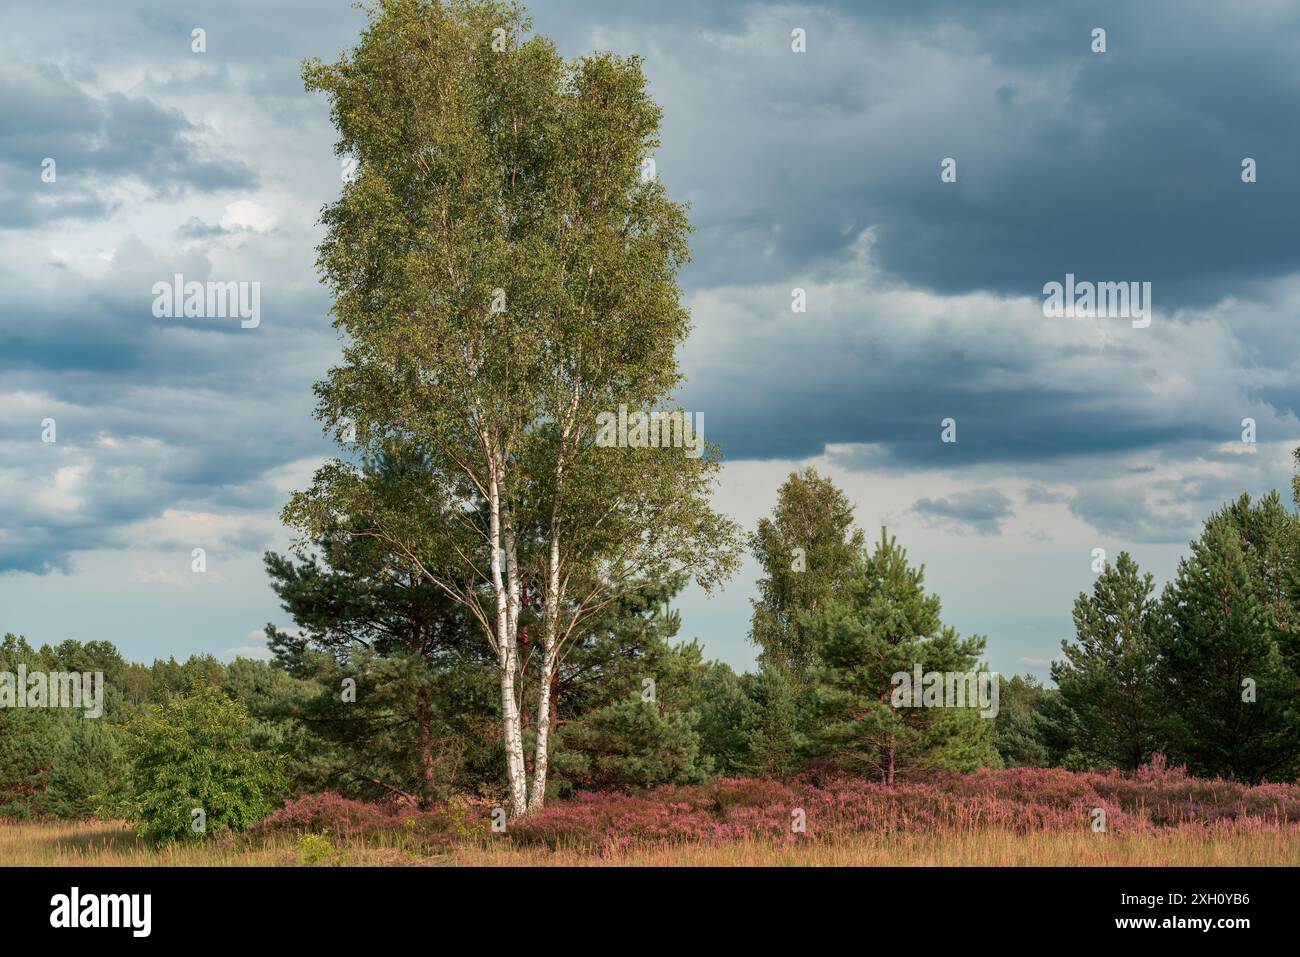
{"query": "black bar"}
pixel 333 906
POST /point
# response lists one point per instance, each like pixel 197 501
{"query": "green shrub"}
pixel 316 849
pixel 193 770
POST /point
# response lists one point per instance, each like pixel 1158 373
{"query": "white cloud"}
pixel 246 214
pixel 63 497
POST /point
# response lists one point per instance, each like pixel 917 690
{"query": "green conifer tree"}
pixel 1231 695
pixel 1107 674
pixel 887 625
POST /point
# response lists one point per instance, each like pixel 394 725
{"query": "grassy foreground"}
pixel 1159 817
pixel 101 843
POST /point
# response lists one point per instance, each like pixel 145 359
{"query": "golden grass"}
pixel 955 849
pixel 100 843
pixel 113 844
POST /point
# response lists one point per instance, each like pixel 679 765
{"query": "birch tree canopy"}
pixel 503 268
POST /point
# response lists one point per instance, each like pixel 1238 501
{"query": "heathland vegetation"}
pixel 375 724
pixel 485 658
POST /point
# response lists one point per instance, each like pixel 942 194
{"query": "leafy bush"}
pixel 315 849
pixel 190 754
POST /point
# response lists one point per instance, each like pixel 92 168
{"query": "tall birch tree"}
pixel 503 266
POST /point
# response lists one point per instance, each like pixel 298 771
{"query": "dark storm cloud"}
pixel 1130 168
pixel 981 510
pixel 152 414
pixel 1118 164
pixel 885 369
pixel 816 170
pixel 95 141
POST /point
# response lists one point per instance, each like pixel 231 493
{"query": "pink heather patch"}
pixel 1022 800
pixel 342 817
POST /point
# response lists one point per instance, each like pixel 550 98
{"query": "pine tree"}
pixel 1230 693
pixel 1021 723
pixel 727 718
pixel 631 743
pixel 888 625
pixel 419 720
pixel 629 700
pixel 1270 544
pixel 57 762
pixel 1107 676
pixel 775 740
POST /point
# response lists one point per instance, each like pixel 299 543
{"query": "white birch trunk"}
pixel 550 639
pixel 550 654
pixel 514 732
pixel 507 657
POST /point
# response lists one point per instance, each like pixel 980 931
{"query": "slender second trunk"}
pixel 507 659
pixel 550 656
pixel 541 756
pixel 550 638
pixel 514 739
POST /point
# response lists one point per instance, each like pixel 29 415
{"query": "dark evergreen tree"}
pixel 888 625
pixel 1230 693
pixel 774 739
pixel 727 718
pixel 1107 674
pixel 56 761
pixel 1021 724
pixel 628 701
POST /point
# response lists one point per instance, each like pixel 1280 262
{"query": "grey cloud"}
pixel 195 228
pixel 980 510
pixel 1131 513
pixel 1041 495
pixel 96 140
pixel 1124 165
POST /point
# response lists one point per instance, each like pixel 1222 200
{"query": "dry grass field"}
pixel 100 843
pixel 1160 817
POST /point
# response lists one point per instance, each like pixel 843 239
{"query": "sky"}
pixel 819 170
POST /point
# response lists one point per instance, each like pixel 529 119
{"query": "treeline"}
pixel 1206 673
pixel 58 762
pixel 383 690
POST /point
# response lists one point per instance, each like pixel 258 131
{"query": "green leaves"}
pixel 503 274
pixel 809 551
pixel 193 770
